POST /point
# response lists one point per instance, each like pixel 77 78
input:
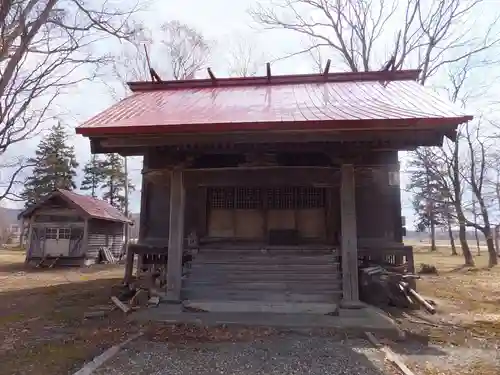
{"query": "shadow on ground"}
pixel 44 331
pixel 21 267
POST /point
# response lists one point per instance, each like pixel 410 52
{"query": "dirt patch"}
pixel 184 334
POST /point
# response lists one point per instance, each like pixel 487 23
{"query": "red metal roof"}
pixel 336 101
pixel 93 207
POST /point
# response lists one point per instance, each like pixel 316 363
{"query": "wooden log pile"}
pixel 384 285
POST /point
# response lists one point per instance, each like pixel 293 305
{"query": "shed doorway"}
pixel 257 214
pixel 57 241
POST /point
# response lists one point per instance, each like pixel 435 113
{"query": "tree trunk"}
pixel 452 241
pixel 469 261
pixel 492 254
pixel 478 245
pixel 476 232
pixel 433 233
pixel 497 239
pixel 457 195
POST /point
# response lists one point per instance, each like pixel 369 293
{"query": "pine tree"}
pixel 114 181
pixel 429 198
pixel 94 175
pixel 55 166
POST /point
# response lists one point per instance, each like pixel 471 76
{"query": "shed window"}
pixel 57 233
pixel 64 233
pixel 51 233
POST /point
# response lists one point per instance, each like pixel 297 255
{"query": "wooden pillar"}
pixel 349 241
pixel 21 236
pixel 176 236
pixel 28 240
pixel 85 239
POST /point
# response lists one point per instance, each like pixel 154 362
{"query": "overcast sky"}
pixel 223 22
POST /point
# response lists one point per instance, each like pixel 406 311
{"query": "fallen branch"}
pixel 95 314
pixel 419 299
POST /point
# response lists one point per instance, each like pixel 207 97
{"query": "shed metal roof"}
pixel 93 207
pixel 336 101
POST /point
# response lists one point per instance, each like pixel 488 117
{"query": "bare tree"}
pixel 187 49
pixel 243 57
pixel 476 179
pixel 182 51
pixel 46 46
pixel 12 175
pixel 433 34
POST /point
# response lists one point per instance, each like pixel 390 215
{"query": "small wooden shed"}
pixel 71 229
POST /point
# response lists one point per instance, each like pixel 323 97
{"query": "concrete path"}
pixel 346 320
pixel 281 354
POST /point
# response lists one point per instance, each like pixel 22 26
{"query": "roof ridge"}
pixel 385 76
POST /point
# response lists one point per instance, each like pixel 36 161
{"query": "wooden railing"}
pixel 149 256
pixel 395 255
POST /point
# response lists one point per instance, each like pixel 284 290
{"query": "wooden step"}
pixel 258 295
pixel 268 277
pixel 263 307
pixel 266 260
pixel 266 285
pixel 265 265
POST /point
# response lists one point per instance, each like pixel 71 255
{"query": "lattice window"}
pixel 248 198
pixel 51 233
pixel 281 198
pixel 310 197
pixel 277 198
pixel 64 233
pixel 221 197
pixel 295 198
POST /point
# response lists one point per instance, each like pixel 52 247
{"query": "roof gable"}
pixel 89 206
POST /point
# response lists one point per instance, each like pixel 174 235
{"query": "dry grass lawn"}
pixel 468 306
pixel 41 316
pixel 465 295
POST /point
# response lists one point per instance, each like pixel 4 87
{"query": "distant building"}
pixel 10 225
pixel 73 228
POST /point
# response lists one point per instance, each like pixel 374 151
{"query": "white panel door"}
pixel 57 241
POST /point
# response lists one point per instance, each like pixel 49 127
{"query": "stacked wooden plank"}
pixel 108 255
pixel 387 285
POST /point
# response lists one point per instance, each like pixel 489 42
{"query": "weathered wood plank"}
pixel 389 354
pixel 270 268
pixel 267 285
pixel 277 176
pixel 349 235
pixel 257 295
pixel 120 305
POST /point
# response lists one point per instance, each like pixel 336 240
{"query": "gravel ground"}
pixel 281 354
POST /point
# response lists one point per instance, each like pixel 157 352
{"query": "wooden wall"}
pixel 378 206
pixel 104 233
